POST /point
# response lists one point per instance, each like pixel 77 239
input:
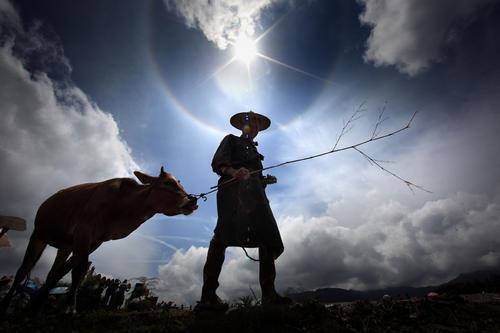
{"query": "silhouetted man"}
pixel 245 218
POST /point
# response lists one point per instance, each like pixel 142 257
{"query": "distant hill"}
pixel 467 283
pixel 330 295
pixel 475 282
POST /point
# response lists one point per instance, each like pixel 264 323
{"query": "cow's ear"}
pixel 162 172
pixel 143 178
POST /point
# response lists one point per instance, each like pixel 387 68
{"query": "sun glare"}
pixel 245 49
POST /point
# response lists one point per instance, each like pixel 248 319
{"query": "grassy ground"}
pixel 310 316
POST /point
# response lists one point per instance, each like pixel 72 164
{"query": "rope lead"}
pixel 246 253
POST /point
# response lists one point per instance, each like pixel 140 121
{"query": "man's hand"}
pixel 270 180
pixel 241 173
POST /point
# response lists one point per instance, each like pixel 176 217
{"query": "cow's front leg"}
pixel 81 251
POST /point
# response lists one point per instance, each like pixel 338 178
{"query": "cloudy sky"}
pixel 91 90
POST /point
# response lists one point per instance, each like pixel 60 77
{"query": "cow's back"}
pixel 59 215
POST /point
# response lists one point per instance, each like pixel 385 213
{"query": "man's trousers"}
pixel 213 267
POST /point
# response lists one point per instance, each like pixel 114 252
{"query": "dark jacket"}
pixel 244 215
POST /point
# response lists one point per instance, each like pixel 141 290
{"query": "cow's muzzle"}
pixel 189 205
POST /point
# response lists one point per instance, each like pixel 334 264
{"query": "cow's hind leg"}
pixel 59 269
pixel 65 266
pixel 33 253
pixel 60 265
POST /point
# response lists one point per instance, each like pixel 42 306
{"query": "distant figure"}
pixel 97 296
pixel 138 291
pixel 110 291
pixel 118 297
pixel 91 271
pixel 77 220
pixel 245 218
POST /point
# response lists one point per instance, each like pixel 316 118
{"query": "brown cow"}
pixel 77 220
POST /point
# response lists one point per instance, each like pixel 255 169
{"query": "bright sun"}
pixel 245 49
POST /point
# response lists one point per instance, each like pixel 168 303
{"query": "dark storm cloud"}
pixel 42 53
pixel 412 34
pixel 52 135
pixel 8 13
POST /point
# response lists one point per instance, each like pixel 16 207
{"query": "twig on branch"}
pixel 345 129
pixel 380 120
pixel 349 124
pixel 376 163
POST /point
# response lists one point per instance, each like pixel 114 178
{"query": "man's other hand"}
pixel 270 180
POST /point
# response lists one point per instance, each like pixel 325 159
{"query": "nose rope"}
pixel 201 195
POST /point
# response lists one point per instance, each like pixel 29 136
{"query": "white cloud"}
pixel 221 21
pixel 180 279
pixel 412 34
pixel 51 135
pixel 397 246
pixel 50 143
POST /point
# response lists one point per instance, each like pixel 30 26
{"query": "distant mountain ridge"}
pixel 474 282
pixel 331 295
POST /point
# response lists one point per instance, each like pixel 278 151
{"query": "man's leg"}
pixel 211 271
pixel 267 275
pixel 267 272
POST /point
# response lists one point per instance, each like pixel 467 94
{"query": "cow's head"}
pixel 167 195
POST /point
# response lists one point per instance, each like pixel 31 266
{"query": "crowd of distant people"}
pixel 97 291
pixel 100 292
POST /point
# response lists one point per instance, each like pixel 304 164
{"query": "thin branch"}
pixel 344 130
pixel 342 149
